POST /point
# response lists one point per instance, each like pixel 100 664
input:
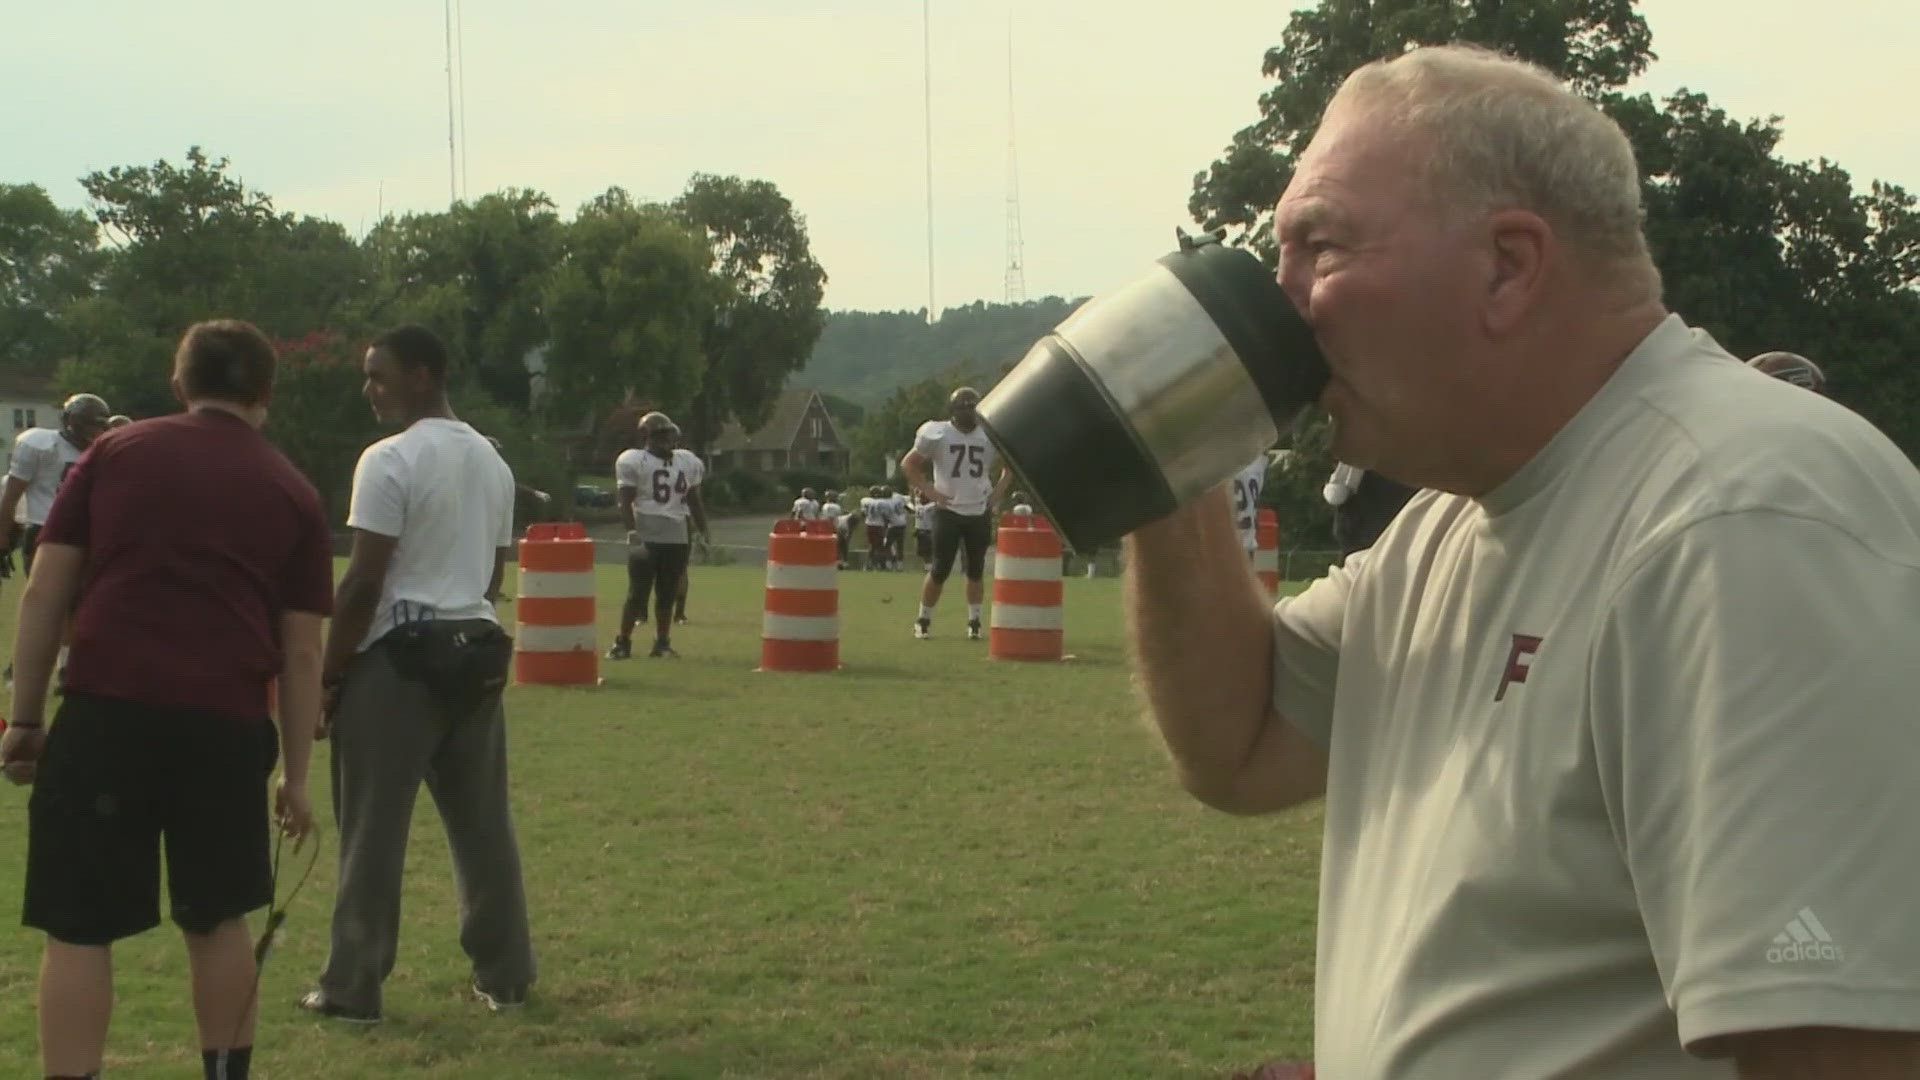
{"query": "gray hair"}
pixel 1505 134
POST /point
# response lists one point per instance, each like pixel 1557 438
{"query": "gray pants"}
pixel 388 736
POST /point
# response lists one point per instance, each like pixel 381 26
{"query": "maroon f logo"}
pixel 1519 662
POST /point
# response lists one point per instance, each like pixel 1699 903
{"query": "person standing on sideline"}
pixel 923 529
pixel 416 663
pixel 41 459
pixel 659 486
pixel 895 505
pixel 806 507
pixel 961 459
pixel 1614 723
pixel 195 567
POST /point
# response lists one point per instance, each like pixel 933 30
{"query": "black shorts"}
pixel 29 540
pixel 951 532
pixel 923 544
pixel 657 568
pixel 117 777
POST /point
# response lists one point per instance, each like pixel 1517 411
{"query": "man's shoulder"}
pixel 36 438
pixel 686 458
pixel 933 430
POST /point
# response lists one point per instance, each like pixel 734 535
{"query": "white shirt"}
pixel 443 490
pixel 962 463
pixel 830 511
pixel 924 511
pixel 872 511
pixel 1621 755
pixel 660 487
pixel 1023 509
pixel 1247 484
pixel 805 509
pixel 41 458
pixel 896 510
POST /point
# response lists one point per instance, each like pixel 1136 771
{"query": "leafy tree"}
pixel 627 308
pixel 477 275
pixel 766 326
pixel 1593 44
pixel 863 356
pixel 48 260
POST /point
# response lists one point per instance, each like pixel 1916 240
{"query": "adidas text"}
pixel 1810 950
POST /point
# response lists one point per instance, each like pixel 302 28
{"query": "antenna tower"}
pixel 1016 249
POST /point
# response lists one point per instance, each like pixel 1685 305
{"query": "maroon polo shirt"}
pixel 199 534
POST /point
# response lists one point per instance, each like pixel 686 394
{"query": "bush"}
pixel 738 489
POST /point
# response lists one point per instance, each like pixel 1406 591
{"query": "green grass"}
pixel 926 865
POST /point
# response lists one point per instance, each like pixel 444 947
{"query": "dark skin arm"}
pixel 1822 1053
pixel 698 509
pixel 499 574
pixel 354 601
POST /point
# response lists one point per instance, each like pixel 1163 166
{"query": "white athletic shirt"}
pixel 896 511
pixel 660 487
pixel 923 512
pixel 1247 485
pixel 41 458
pixel 444 491
pixel 1622 755
pixel 873 511
pixel 830 511
pixel 962 463
pixel 805 509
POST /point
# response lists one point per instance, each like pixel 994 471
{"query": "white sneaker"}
pixel 923 628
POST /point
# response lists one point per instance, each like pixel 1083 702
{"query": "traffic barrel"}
pixel 554 609
pixel 1266 556
pixel 800 621
pixel 1027 623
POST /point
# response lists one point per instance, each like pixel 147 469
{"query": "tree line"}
pixel 701 306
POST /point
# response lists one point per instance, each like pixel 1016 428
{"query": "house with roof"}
pixel 799 434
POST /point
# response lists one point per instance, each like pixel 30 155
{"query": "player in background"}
pixel 831 510
pixel 659 487
pixel 1793 368
pixel 41 459
pixel 1020 505
pixel 1248 483
pixel 875 515
pixel 950 464
pixel 806 507
pixel 896 507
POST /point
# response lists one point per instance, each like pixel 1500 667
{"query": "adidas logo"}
pixel 1804 939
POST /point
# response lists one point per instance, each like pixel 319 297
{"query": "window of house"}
pixel 819 428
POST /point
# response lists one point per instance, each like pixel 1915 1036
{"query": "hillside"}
pixel 864 356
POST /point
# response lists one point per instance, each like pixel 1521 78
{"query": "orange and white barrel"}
pixel 1027 620
pixel 800 620
pixel 554 608
pixel 1266 555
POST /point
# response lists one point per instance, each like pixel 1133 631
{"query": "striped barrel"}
pixel 1266 555
pixel 554 608
pixel 800 623
pixel 1026 623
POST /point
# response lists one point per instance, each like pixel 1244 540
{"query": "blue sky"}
pixel 336 108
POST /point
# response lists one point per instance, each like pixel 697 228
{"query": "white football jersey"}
pixel 1247 485
pixel 805 509
pixel 41 458
pixel 831 511
pixel 896 511
pixel 925 511
pixel 660 484
pixel 962 464
pixel 872 511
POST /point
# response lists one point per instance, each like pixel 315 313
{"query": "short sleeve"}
pixel 695 468
pixel 503 536
pixel 71 519
pixel 379 493
pixel 626 470
pixel 26 459
pixel 307 584
pixel 1306 650
pixel 927 439
pixel 1752 687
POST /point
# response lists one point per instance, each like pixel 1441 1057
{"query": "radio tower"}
pixel 1016 254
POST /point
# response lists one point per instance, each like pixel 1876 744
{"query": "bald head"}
pixel 1793 368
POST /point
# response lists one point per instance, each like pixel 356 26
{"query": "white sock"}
pixel 973 612
pixel 926 613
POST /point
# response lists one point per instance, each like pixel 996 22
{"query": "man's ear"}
pixel 1522 244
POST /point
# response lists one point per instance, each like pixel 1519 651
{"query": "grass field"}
pixel 929 864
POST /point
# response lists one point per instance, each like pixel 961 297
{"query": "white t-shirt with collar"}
pixel 444 491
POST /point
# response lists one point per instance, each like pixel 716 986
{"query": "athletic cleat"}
pixel 316 1002
pixel 681 618
pixel 973 630
pixel 923 628
pixel 620 650
pixel 661 648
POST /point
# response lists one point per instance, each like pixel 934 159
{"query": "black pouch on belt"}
pixel 462 662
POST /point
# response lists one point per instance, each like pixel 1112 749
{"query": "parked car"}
pixel 591 495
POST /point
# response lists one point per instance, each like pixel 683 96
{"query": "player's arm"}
pixel 914 466
pixel 499 578
pixel 1203 640
pixel 626 486
pixel 16 487
pixel 1825 1054
pixel 1000 486
pixel 357 598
